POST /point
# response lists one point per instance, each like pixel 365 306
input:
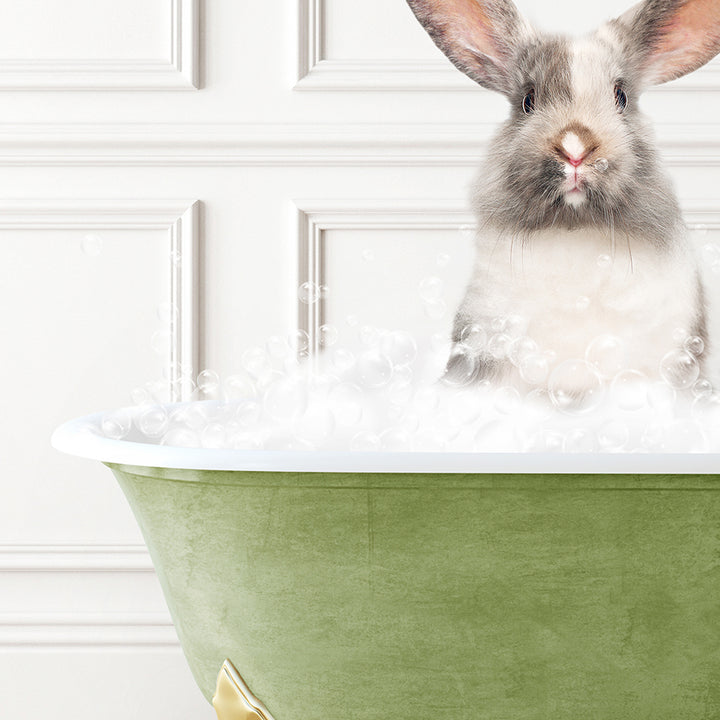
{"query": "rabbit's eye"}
pixel 528 104
pixel 621 98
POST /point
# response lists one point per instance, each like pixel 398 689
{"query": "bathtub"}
pixel 360 586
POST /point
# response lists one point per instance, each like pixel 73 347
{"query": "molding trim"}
pixel 293 145
pixel 74 558
pixel 318 72
pixel 178 72
pixel 34 631
pixel 100 569
pixel 180 221
pixel 314 217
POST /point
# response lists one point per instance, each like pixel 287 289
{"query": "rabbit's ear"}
pixel 479 36
pixel 673 37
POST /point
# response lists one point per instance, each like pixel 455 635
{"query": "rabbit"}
pixel 581 247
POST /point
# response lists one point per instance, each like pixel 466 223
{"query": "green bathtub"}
pixel 343 592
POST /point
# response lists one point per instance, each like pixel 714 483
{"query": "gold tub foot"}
pixel 233 699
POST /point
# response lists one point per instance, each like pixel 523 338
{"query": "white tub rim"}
pixel 75 437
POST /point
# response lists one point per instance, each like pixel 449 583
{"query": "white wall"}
pixel 157 151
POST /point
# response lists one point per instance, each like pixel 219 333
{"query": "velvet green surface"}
pixel 469 597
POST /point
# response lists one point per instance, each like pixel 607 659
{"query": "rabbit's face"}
pixel 575 151
pixel 575 145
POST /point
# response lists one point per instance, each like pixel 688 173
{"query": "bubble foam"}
pixel 388 393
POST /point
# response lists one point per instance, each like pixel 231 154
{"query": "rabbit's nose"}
pixel 575 143
pixel 575 161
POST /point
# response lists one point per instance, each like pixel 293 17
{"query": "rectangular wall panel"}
pixel 97 44
pixel 100 309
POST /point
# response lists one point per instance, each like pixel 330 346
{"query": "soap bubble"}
pixel 497 324
pixel 498 345
pixel 684 436
pixel 519 348
pixel 464 407
pixel 399 347
pixel 286 399
pixel 534 368
pixel 545 441
pixel 309 293
pixel 679 369
pixel 255 361
pixel 601 165
pixel 426 399
pixel 246 441
pixel 248 412
pixel 395 440
pixel 213 435
pixel 575 387
pixel 613 435
pixel 706 410
pixel 399 391
pixel 369 335
pixel 295 445
pixel 316 425
pixel 497 435
pixel 538 405
pixel 694 345
pixel 604 261
pixel 430 289
pixel 352 320
pixel 629 388
pixel 346 403
pixel 208 381
pixel 374 369
pixel 365 441
pixel 116 424
pixel 462 366
pixel 579 440
pixel 506 400
pixel 278 348
pixel 653 437
pixel 301 342
pixel 606 354
pixel 661 397
pixel 680 335
pixel 442 259
pixel 153 421
pixel 342 360
pixel 92 245
pixel 474 337
pixel 192 415
pixel 264 381
pixel 702 389
pixel 328 335
pixel 368 255
pixel 515 326
pixel 425 441
pixel 238 387
pixel 142 396
pixel 181 437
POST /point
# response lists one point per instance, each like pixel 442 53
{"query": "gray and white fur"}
pixel 567 248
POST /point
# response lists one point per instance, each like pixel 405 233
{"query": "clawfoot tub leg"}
pixel 233 699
